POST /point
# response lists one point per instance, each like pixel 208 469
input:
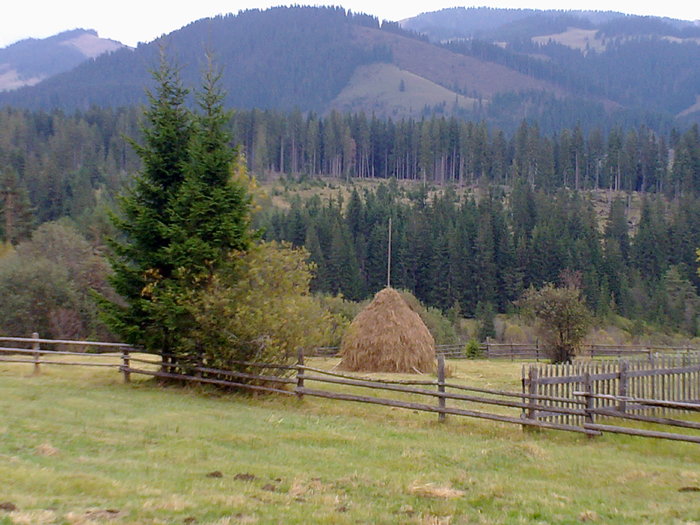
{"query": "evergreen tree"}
pixel 180 220
pixel 140 257
pixel 343 265
pixel 207 219
pixel 485 314
pixel 15 209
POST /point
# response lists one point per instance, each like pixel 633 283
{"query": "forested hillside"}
pixel 279 58
pixel 54 165
pixel 567 149
pixel 634 61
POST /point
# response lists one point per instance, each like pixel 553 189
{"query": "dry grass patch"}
pixel 46 449
pixel 33 517
pixel 433 490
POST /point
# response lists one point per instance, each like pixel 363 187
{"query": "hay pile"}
pixel 388 336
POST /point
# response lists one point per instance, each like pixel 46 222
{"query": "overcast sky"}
pixel 132 21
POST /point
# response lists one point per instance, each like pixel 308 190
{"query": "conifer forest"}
pixel 478 214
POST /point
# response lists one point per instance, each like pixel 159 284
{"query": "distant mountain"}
pixel 30 61
pixel 640 63
pixel 502 65
pixel 494 24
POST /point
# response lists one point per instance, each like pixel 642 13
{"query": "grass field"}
pixel 79 447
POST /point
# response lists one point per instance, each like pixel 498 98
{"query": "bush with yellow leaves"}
pixel 260 310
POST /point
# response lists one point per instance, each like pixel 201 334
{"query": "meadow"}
pixel 79 447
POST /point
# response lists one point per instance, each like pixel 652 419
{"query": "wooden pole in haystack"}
pixel 388 259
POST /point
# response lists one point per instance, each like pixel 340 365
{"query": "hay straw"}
pixel 388 336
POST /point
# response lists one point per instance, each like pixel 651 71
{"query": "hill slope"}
pixel 635 61
pixel 30 61
pixel 388 91
pixel 569 68
pixel 291 58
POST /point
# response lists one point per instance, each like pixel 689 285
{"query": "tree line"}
pixel 54 165
pixel 450 150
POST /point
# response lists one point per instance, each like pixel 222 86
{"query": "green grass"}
pixel 79 447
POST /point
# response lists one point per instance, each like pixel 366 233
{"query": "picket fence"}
pixel 640 390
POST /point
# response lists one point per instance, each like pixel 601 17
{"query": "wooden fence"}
pixel 560 402
pixel 643 390
pixel 536 352
pixel 38 351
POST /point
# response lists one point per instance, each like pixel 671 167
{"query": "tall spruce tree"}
pixel 179 221
pixel 140 259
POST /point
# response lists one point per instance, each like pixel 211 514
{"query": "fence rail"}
pixel 536 352
pixel 43 356
pixel 559 397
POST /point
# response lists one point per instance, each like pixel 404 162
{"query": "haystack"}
pixel 388 336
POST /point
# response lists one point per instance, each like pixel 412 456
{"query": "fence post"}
pixel 532 389
pixel 622 389
pixel 588 389
pixel 125 365
pixel 37 354
pixel 441 387
pixel 300 373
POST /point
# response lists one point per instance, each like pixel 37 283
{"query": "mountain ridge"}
pixel 30 61
pixel 302 57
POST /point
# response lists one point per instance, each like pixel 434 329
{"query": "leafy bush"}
pixel 343 311
pixel 260 310
pixel 562 318
pixel 45 284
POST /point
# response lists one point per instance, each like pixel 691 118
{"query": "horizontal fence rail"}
pixel 573 397
pixel 535 351
pixel 44 351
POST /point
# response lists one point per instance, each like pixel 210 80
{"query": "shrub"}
pixel 473 349
pixel 260 310
pixel 562 318
pixel 440 327
pixel 46 283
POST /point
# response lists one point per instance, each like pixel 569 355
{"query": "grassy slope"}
pixel 449 69
pixel 375 89
pixel 77 446
pixel 575 38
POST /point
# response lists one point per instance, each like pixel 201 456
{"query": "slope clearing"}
pixel 387 91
